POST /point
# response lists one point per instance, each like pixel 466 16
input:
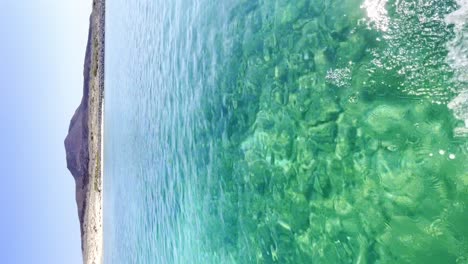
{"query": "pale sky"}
pixel 42 48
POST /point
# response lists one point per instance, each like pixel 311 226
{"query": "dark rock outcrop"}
pixel 77 141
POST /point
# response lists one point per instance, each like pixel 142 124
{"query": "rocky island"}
pixel 83 143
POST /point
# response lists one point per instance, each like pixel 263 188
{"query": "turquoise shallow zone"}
pixel 275 131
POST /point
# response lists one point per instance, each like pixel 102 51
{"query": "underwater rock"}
pixel 384 118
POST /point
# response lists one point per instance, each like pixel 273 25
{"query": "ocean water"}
pixel 276 131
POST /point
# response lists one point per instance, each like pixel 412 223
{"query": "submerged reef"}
pixel 334 141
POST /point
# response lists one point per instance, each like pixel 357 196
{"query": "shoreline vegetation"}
pixel 83 143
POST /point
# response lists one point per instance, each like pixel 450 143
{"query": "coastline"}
pixel 84 144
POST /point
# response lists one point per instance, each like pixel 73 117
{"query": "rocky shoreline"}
pixel 83 143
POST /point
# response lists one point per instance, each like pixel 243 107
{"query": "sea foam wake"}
pixel 457 58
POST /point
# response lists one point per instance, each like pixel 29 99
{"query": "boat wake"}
pixel 457 58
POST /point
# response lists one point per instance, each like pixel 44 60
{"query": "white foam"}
pixel 457 58
pixel 458 17
pixel 377 13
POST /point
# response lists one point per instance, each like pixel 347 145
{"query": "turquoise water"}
pixel 308 131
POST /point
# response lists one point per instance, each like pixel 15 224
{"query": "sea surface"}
pixel 281 131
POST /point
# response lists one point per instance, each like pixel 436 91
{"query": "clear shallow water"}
pixel 286 132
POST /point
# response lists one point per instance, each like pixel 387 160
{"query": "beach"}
pixel 84 142
pixel 93 236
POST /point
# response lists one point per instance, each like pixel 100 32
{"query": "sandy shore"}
pixel 92 240
pixel 84 144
